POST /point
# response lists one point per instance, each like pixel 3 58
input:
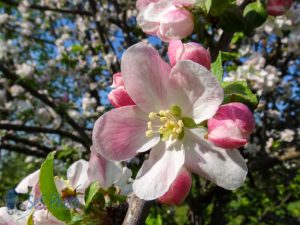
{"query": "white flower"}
pixel 287 135
pixel 24 70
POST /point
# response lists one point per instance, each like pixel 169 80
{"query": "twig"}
pixel 137 211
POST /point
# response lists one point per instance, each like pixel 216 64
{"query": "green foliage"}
pixel 234 20
pixel 254 15
pixel 51 197
pixel 94 196
pixel 217 68
pixel 239 91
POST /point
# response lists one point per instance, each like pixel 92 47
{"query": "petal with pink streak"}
pixel 30 181
pixel 159 171
pixel 226 168
pixel 195 89
pixel 104 171
pixel 145 74
pixel 120 133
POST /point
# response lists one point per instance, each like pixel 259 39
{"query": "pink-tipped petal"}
pixel 179 189
pixel 145 74
pixel 159 171
pixel 119 97
pixel 117 80
pixel 195 89
pixel 175 48
pixel 120 133
pixel 231 126
pixel 226 168
pixel 278 7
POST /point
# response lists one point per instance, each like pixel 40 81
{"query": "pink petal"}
pixel 228 136
pixel 226 168
pixel 159 171
pixel 104 171
pixel 231 126
pixel 117 80
pixel 179 189
pixel 195 89
pixel 44 217
pixel 175 46
pixel 120 133
pixel 119 97
pixel 30 181
pixel 144 74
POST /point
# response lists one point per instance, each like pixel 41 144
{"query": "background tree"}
pixel 56 64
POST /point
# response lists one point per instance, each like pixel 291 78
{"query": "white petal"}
pixel 159 171
pixel 195 89
pixel 77 175
pixel 226 168
pixel 29 181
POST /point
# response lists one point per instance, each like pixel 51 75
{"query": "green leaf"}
pixel 254 15
pixel 208 5
pixel 217 7
pixel 94 197
pixel 51 197
pixel 238 91
pixel 217 68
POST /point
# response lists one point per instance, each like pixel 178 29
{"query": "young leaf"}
pixel 238 91
pixel 254 15
pixel 217 68
pixel 51 197
pixel 92 193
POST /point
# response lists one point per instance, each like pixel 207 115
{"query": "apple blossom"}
pixel 179 189
pixel 119 97
pixel 189 51
pixel 231 126
pixel 278 7
pixel 168 102
pixel 169 20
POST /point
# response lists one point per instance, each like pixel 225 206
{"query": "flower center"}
pixel 167 123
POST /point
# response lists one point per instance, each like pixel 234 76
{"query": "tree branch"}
pixel 10 137
pixel 137 211
pixel 46 8
pixel 22 150
pixel 46 101
pixel 31 129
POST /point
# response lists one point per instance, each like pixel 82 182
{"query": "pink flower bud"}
pixel 117 80
pixel 169 20
pixel 189 51
pixel 176 24
pixel 278 7
pixel 119 97
pixel 231 126
pixel 178 190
